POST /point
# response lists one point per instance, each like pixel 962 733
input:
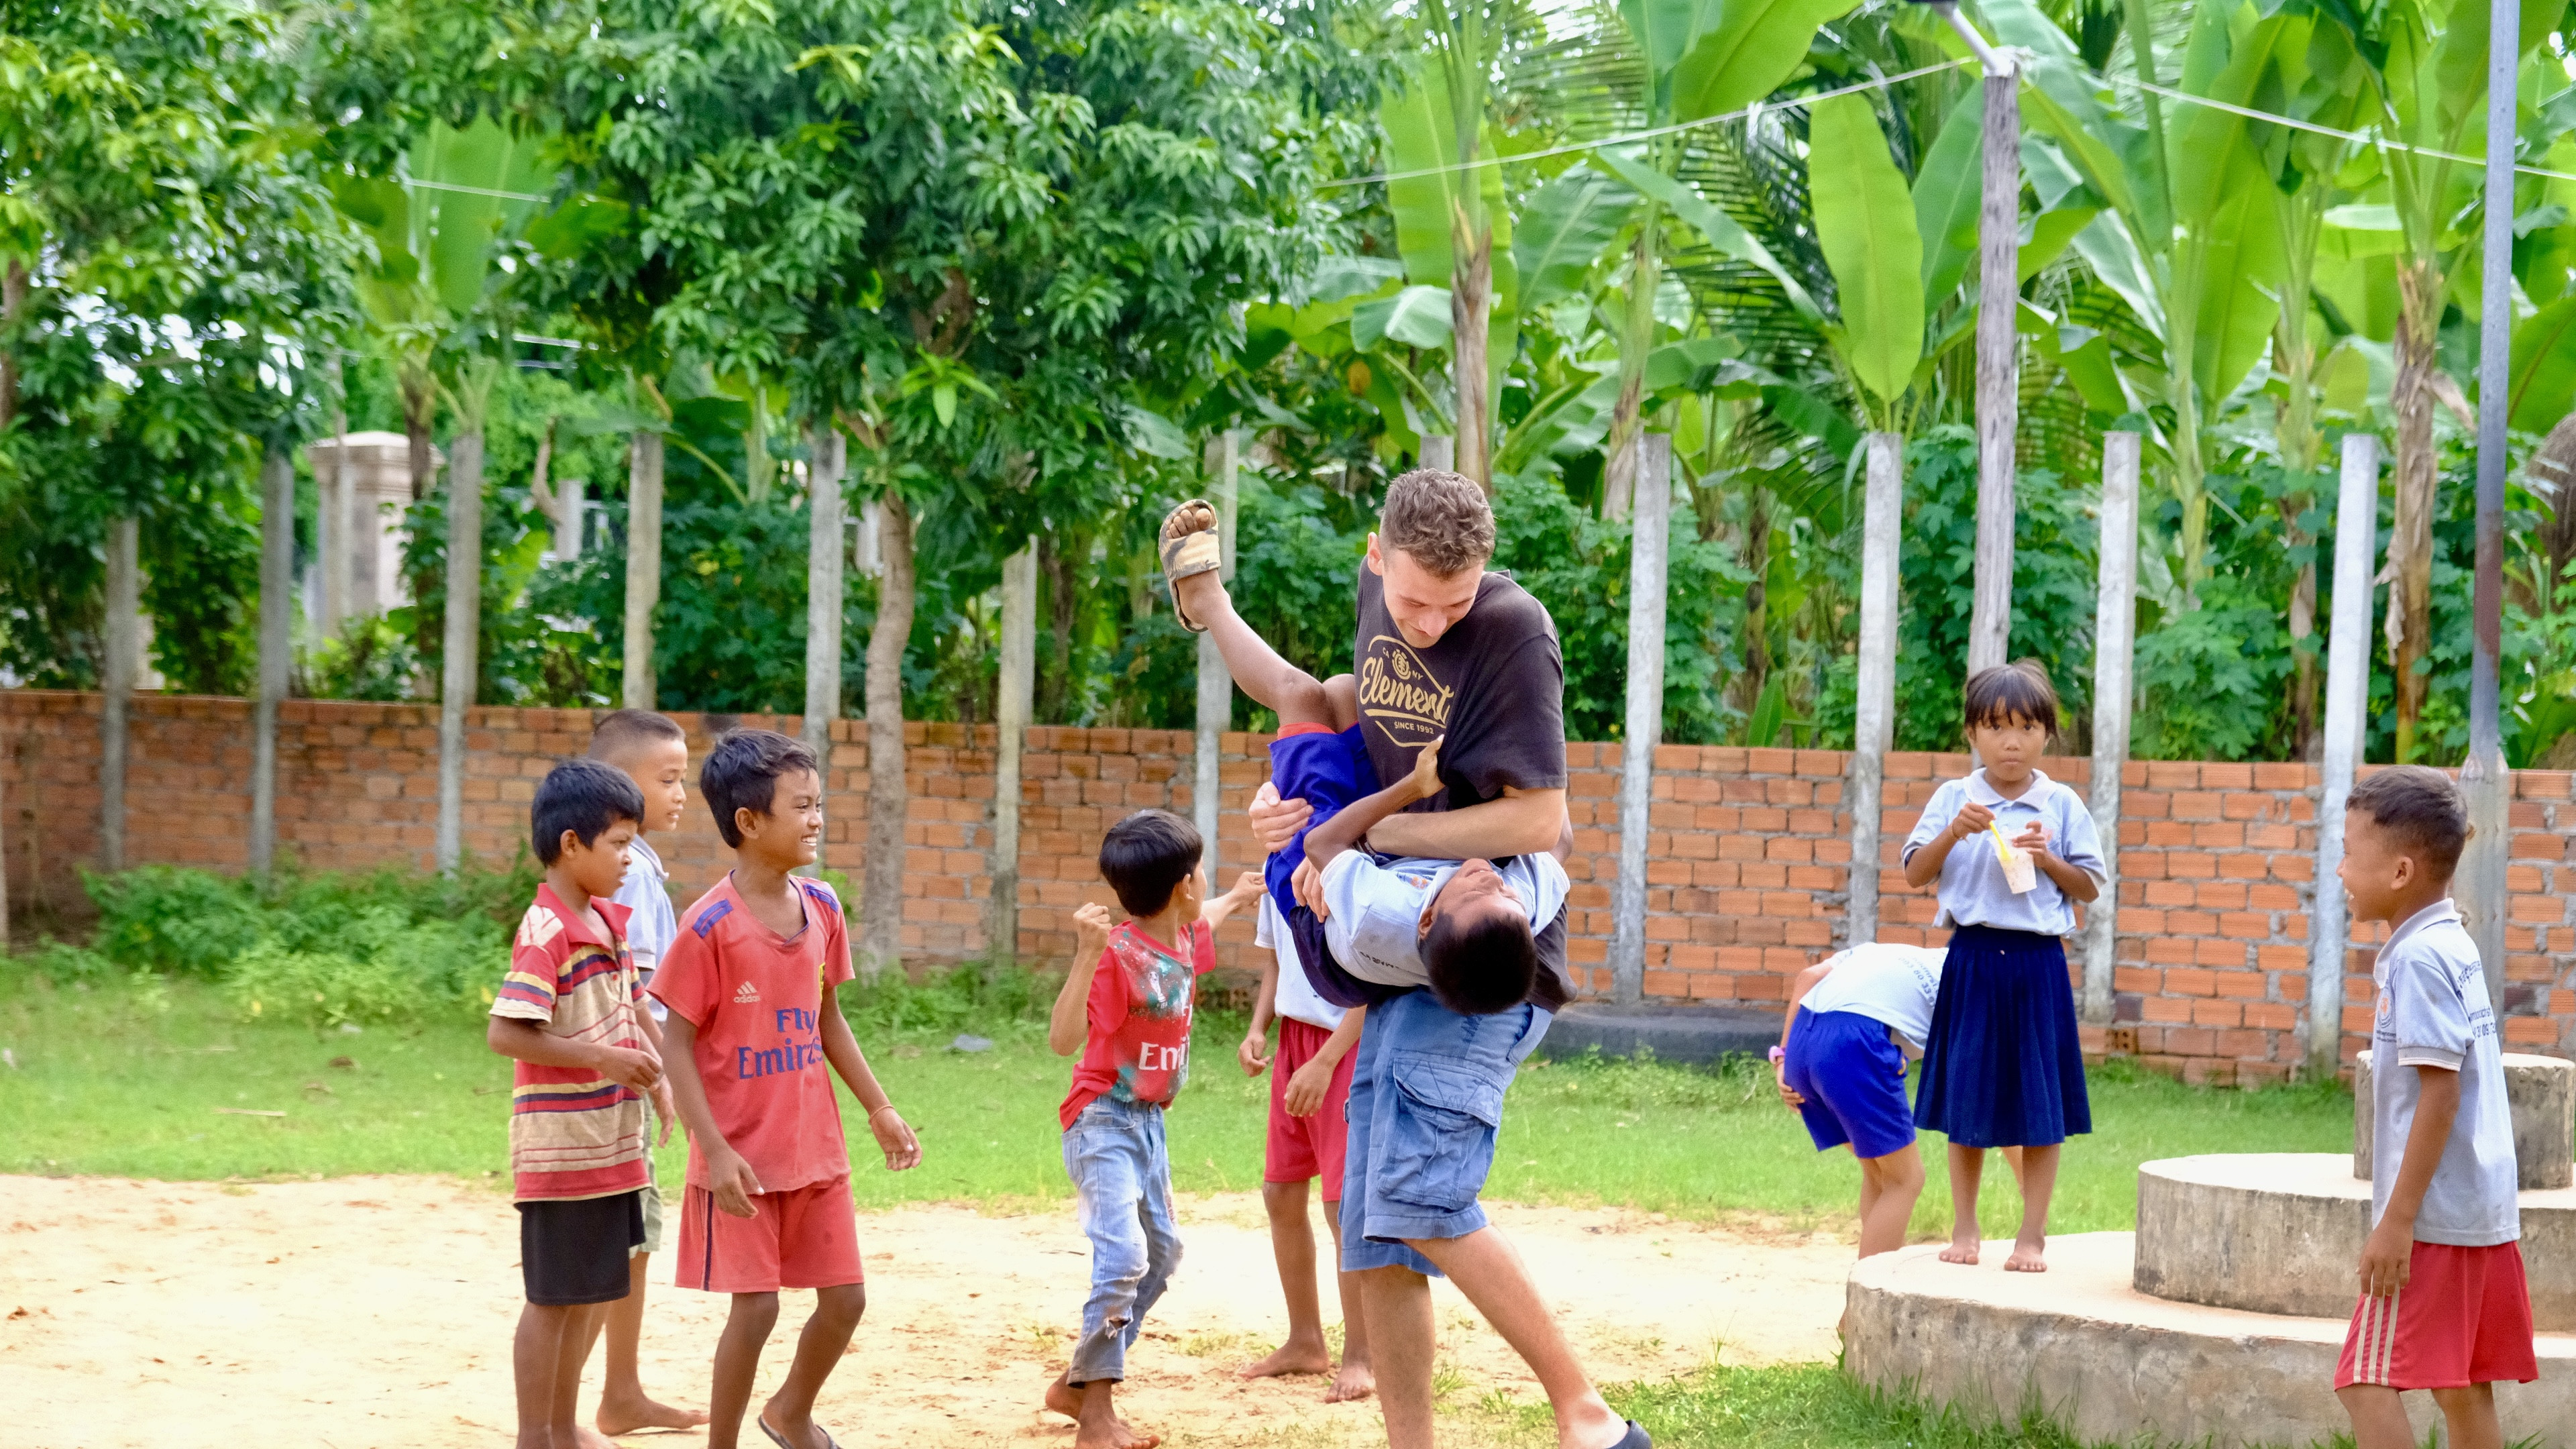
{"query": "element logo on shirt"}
pixel 1400 695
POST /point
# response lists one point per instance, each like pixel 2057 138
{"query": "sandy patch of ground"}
pixel 377 1312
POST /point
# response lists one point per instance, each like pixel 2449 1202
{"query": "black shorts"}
pixel 575 1252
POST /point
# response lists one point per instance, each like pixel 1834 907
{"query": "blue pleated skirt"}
pixel 2004 1067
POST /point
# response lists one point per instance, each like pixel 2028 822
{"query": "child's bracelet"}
pixel 888 1107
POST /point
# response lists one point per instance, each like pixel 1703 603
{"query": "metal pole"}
pixel 1011 731
pixel 2115 626
pixel 2483 778
pixel 1998 349
pixel 460 670
pixel 1216 684
pixel 1649 538
pixel 2347 692
pixel 1874 709
pixel 276 603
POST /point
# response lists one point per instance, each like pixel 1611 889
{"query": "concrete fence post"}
pixel 2347 694
pixel 1216 683
pixel 1650 525
pixel 2115 628
pixel 1010 743
pixel 1874 711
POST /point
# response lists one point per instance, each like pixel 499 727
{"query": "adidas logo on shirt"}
pixel 747 995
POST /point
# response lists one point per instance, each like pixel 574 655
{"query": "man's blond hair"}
pixel 1441 519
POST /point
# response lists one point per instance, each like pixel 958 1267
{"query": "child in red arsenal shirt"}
pixel 753 1024
pixel 569 1013
pixel 1126 1007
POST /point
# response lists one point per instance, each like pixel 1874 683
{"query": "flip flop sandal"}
pixel 1188 555
pixel 1635 1438
pixel 830 1443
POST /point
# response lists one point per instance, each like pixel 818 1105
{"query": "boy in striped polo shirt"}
pixel 568 1013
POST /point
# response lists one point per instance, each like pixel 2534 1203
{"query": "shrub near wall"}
pixel 1746 864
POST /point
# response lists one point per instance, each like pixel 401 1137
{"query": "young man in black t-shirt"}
pixel 1446 651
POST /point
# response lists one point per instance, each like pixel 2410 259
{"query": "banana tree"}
pixel 431 295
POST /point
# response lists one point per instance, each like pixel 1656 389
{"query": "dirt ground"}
pixel 377 1312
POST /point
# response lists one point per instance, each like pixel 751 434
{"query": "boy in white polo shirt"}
pixel 2444 1305
pixel 1308 1138
pixel 1853 1019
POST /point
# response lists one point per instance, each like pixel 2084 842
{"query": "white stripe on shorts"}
pixel 2375 1347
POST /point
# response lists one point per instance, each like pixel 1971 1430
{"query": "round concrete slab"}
pixel 2279 1232
pixel 2542 1091
pixel 2112 1363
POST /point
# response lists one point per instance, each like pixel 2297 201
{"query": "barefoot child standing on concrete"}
pixel 754 1024
pixel 1126 1006
pixel 653 751
pixel 568 1014
pixel 2444 1305
pixel 1310 1088
pixel 2013 851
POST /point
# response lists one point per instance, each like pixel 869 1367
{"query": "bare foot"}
pixel 1962 1250
pixel 1063 1398
pixel 1290 1358
pixel 1354 1382
pixel 626 1415
pixel 590 1439
pixel 2028 1257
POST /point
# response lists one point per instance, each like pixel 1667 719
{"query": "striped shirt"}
pixel 573 1132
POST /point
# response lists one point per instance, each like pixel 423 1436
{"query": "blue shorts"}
pixel 1853 1077
pixel 1426 1102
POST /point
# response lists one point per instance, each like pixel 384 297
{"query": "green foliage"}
pixel 321 948
pixel 2054 542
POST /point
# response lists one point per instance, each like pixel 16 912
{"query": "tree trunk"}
pixel 1648 541
pixel 461 662
pixel 124 663
pixel 1874 701
pixel 2410 542
pixel 1636 341
pixel 889 797
pixel 1010 740
pixel 1998 372
pixel 2347 695
pixel 2115 623
pixel 824 592
pixel 276 611
pixel 1470 307
pixel 643 565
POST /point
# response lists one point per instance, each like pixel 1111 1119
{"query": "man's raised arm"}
pixel 1521 822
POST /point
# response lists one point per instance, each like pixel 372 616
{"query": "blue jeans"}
pixel 1122 1181
pixel 1426 1100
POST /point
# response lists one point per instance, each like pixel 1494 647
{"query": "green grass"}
pixel 128 1079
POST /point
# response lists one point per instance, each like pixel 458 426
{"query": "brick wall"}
pixel 1746 863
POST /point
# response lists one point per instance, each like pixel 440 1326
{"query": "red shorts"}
pixel 806 1237
pixel 1304 1147
pixel 2464 1317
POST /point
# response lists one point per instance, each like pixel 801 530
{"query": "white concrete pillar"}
pixel 124 641
pixel 1216 683
pixel 643 566
pixel 276 605
pixel 1439 450
pixel 2347 695
pixel 461 641
pixel 1649 542
pixel 2115 627
pixel 1874 708
pixel 1019 669
pixel 1998 365
pixel 825 591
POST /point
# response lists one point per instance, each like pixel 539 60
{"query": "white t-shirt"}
pixel 1884 982
pixel 2432 1011
pixel 1295 998
pixel 652 928
pixel 1375 920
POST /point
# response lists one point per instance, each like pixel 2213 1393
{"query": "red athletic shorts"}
pixel 1312 1146
pixel 2464 1317
pixel 806 1237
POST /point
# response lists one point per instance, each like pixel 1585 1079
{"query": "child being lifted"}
pixel 1365 929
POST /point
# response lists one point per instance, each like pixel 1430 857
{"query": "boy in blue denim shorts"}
pixel 1126 1006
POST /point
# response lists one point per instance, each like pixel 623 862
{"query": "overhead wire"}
pixel 2360 137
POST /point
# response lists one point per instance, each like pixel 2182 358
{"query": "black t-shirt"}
pixel 1494 685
